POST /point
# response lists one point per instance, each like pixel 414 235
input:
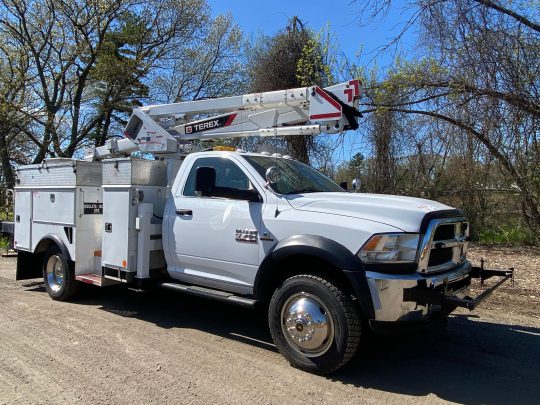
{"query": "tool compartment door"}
pixel 23 219
pixel 54 207
pixel 119 233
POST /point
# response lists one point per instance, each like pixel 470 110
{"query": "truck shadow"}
pixel 467 361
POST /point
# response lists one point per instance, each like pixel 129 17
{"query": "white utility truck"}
pixel 246 228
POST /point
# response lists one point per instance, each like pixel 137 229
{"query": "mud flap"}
pixel 29 265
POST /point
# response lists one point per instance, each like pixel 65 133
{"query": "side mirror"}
pixel 356 184
pixel 273 175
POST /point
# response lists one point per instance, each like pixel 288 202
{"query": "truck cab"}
pixel 251 224
pixel 226 226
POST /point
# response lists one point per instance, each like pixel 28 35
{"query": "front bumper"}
pixel 418 297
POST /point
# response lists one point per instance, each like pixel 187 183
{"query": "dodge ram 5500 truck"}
pixel 246 228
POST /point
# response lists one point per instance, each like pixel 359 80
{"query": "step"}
pixel 210 293
pixel 90 278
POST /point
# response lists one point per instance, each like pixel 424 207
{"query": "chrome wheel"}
pixel 55 273
pixel 307 324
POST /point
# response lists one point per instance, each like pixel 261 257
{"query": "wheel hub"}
pixel 307 324
pixel 55 273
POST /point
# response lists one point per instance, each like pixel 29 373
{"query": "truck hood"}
pixel 404 213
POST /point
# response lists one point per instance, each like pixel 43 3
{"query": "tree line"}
pixel 71 70
pixel 457 120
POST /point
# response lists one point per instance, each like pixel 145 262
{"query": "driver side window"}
pixel 228 176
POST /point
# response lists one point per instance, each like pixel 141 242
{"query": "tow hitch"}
pixel 446 297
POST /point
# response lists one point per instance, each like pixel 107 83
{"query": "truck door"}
pixel 216 230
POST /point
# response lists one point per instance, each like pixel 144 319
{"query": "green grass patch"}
pixel 506 235
pixel 4 242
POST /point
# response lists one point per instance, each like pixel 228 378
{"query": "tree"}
pixel 207 68
pixel 89 62
pixel 292 58
pixel 352 169
pixel 14 145
pixel 117 76
pixel 65 40
pixel 480 75
pixel 61 40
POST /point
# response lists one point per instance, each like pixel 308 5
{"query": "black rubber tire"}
pixel 345 315
pixel 70 287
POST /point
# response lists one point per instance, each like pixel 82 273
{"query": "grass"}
pixel 3 244
pixel 5 216
pixel 506 235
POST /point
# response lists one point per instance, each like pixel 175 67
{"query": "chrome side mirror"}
pixel 356 183
pixel 273 175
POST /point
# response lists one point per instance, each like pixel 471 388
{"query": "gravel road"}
pixel 118 346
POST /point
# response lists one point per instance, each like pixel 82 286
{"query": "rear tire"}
pixel 314 324
pixel 59 275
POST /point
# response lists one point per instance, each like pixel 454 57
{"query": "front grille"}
pixel 444 245
pixel 440 256
pixel 444 231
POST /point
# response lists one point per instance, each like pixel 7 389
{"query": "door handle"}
pixel 184 213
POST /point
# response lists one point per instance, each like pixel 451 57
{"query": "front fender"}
pixel 322 248
pixel 316 246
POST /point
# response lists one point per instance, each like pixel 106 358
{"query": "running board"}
pixel 210 293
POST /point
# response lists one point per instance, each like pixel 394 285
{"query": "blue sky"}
pixel 268 17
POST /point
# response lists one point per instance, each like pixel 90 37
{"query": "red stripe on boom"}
pixel 320 116
pixel 329 99
pixel 230 119
pixel 325 95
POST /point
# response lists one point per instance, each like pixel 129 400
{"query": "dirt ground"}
pixel 118 346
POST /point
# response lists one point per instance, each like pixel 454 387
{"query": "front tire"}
pixel 314 324
pixel 59 275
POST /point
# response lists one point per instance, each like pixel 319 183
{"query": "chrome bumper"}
pixel 389 302
pixel 416 297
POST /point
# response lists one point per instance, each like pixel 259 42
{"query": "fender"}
pixel 56 240
pixel 324 249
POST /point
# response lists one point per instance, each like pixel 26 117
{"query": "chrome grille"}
pixel 444 245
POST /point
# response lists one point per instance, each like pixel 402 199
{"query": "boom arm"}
pixel 301 111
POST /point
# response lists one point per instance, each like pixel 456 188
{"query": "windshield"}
pixel 296 177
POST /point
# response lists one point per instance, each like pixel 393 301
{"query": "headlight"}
pixel 390 248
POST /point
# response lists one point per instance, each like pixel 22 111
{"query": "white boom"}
pixel 161 129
